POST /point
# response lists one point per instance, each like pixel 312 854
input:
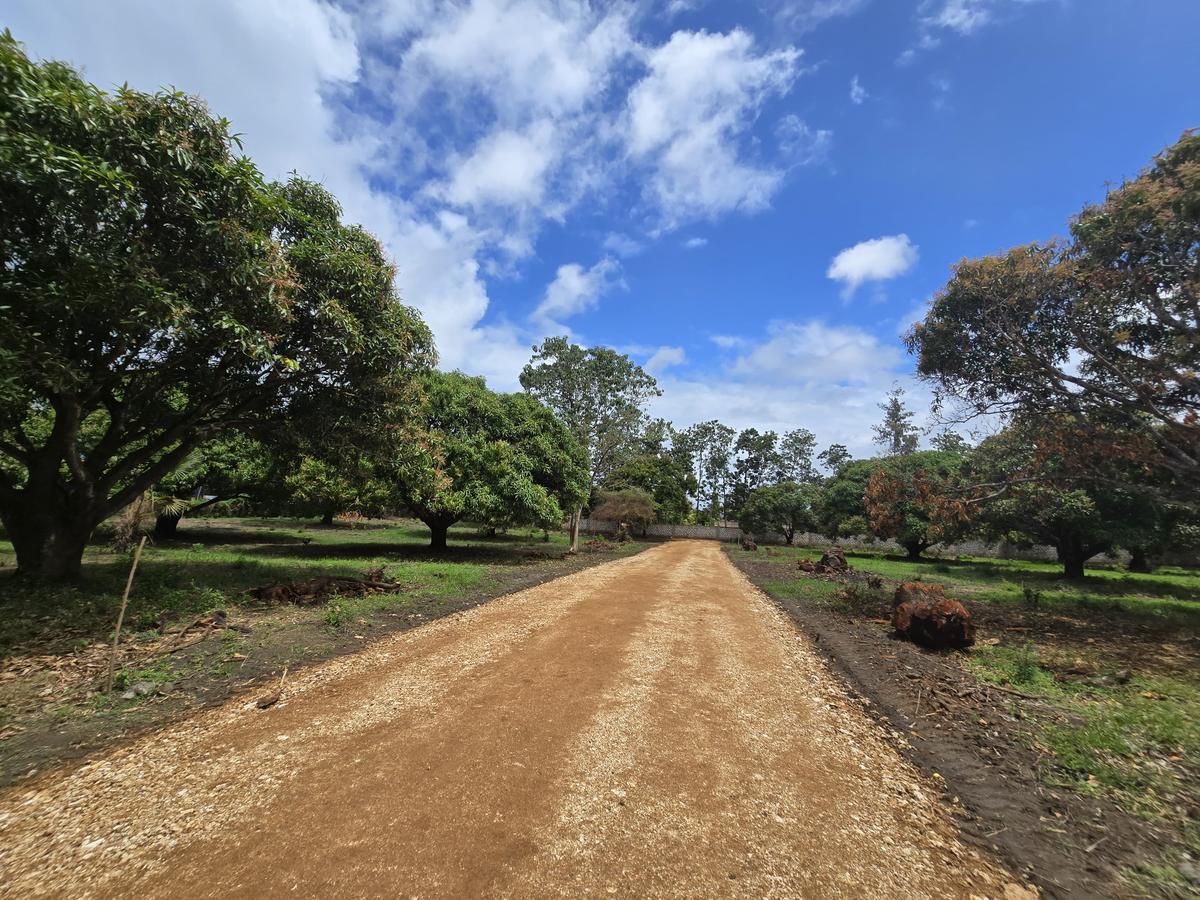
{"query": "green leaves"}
pixel 152 278
pixel 501 459
pixel 600 395
pixel 1104 328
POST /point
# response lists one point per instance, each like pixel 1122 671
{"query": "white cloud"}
pixel 622 244
pixel 695 243
pixel 858 93
pixel 826 377
pixel 805 15
pixel 801 144
pixel 962 18
pixel 455 129
pixel 879 259
pixel 524 58
pixel 813 350
pixel 664 358
pixel 686 119
pixel 678 7
pixel 507 167
pixel 575 290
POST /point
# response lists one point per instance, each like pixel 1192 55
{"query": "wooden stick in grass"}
pixel 112 658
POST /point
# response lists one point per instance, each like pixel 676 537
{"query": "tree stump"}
pixel 926 616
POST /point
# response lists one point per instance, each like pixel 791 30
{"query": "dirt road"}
pixel 648 727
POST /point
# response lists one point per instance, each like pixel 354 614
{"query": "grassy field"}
pixel 1112 660
pixel 54 640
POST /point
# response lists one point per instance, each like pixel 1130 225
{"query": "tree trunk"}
pixel 327 518
pixel 915 550
pixel 575 528
pixel 438 532
pixel 47 546
pixel 1072 555
pixel 166 527
pixel 1139 560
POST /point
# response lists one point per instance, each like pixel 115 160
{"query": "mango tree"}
pixel 786 509
pixel 156 293
pixel 497 459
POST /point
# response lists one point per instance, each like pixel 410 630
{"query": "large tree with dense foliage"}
pixel 786 508
pixel 1062 504
pixel 841 510
pixel 1102 331
pixel 498 459
pixel 757 463
pixel 600 394
pixel 796 449
pixel 901 499
pixel 628 506
pixel 663 478
pixel 155 293
pixel 834 456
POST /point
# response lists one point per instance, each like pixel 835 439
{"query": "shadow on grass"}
pixel 1041 576
pixel 402 552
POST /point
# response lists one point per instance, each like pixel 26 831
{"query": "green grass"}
pixel 1169 595
pixel 1136 743
pixel 1132 741
pixel 216 560
pixel 1017 665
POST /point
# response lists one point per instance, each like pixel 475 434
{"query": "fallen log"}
pixel 925 615
pixel 316 590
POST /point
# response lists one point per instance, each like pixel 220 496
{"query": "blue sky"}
pixel 752 198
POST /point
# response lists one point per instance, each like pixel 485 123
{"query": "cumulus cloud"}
pixel 456 129
pixel 802 351
pixel 507 167
pixel 688 117
pixel 695 243
pixel 879 259
pixel 576 289
pixel 664 358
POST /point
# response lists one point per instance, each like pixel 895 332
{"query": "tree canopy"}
pixel 841 510
pixel 629 506
pixel 498 459
pixel 900 499
pixel 600 394
pixel 786 508
pixel 1078 516
pixel 709 448
pixel 896 434
pixel 156 292
pixel 666 481
pixel 1102 331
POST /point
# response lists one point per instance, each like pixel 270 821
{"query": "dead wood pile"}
pixel 925 615
pixel 832 562
pixel 318 590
